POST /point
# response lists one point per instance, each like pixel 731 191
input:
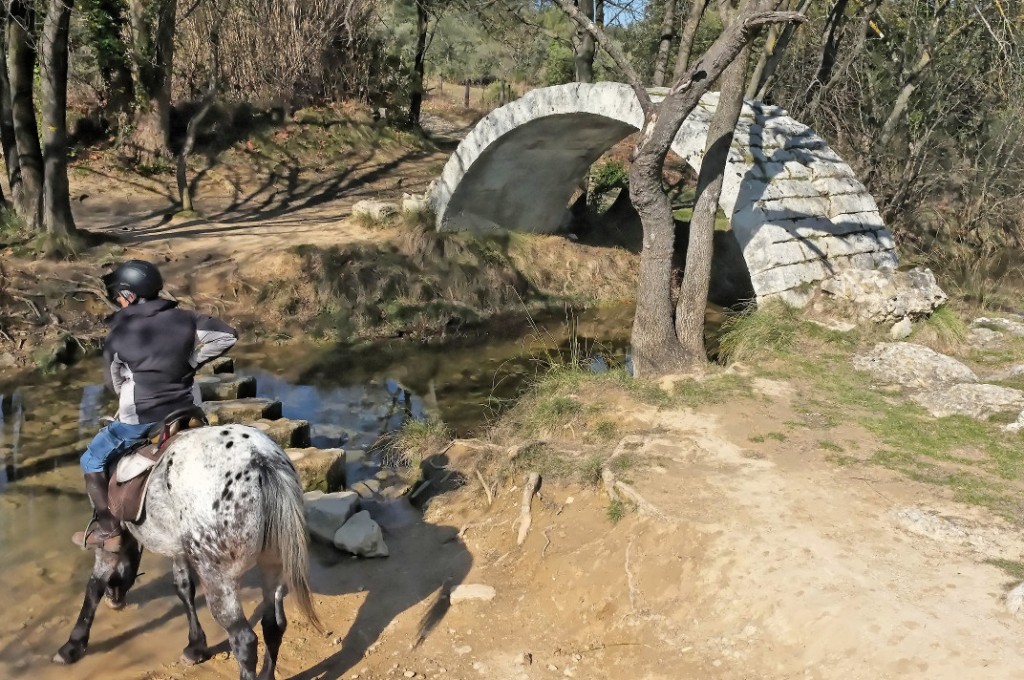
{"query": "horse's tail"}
pixel 284 528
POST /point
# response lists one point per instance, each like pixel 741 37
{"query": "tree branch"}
pixel 614 50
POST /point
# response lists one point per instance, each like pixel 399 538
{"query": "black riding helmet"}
pixel 134 276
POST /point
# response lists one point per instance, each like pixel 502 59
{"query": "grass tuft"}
pixel 763 331
pixel 416 440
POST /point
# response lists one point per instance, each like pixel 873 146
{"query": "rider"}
pixel 152 353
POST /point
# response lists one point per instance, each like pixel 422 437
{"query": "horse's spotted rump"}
pixel 229 445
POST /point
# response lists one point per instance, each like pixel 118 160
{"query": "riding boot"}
pixel 107 533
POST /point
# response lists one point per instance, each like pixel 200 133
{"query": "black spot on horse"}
pixel 245 436
pixel 238 475
pixel 216 504
pixel 229 496
pixel 170 462
pixel 229 445
pixel 224 433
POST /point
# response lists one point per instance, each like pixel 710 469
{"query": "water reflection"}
pixel 353 416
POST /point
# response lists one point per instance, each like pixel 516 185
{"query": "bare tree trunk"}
pixel 416 103
pixel 693 293
pixel 7 139
pixel 105 25
pixel 21 62
pixel 192 131
pixel 153 55
pixel 687 36
pixel 61 233
pixel 668 34
pixel 832 36
pixel 912 76
pixel 771 56
pixel 586 46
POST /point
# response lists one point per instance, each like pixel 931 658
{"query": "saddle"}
pixel 129 474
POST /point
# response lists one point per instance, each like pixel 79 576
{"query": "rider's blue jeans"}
pixel 114 438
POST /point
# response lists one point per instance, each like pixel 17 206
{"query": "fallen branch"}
pixel 525 518
pixel 487 489
pixel 417 492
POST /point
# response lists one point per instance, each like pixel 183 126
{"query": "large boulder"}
pixel 910 365
pixel 361 536
pixel 887 295
pixel 971 400
pixel 327 512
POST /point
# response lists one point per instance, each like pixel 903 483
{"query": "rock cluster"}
pixel 947 387
pixel 887 295
pixel 335 519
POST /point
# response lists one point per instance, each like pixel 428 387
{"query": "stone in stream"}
pixel 288 434
pixel 322 469
pixel 326 513
pixel 218 365
pixel 226 387
pixel 369 488
pixel 241 411
pixel 361 536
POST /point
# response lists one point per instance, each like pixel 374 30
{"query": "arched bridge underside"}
pixel 798 212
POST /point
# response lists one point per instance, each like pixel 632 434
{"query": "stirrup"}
pixel 85 534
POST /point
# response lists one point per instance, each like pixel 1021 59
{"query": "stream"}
pixel 349 395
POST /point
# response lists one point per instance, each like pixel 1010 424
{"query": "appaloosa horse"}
pixel 220 500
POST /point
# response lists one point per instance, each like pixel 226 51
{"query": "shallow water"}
pixel 350 396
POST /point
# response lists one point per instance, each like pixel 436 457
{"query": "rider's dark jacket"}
pixel 152 352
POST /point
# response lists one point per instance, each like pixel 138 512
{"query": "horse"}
pixel 221 500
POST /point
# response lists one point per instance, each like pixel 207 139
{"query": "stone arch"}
pixel 798 211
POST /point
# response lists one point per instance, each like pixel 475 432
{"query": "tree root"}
pixel 487 489
pixel 525 518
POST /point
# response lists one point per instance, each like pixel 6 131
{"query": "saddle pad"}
pixel 126 492
pixel 133 465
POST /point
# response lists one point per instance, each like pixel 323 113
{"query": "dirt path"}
pixel 760 561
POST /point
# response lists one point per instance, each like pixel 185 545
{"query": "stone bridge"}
pixel 798 212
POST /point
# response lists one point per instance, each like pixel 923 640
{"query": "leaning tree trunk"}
pixel 656 347
pixel 656 350
pixel 61 234
pixel 586 46
pixel 21 62
pixel 829 48
pixel 153 54
pixel 668 34
pixel 687 36
pixel 693 293
pixel 416 101
pixel 771 56
pixel 7 140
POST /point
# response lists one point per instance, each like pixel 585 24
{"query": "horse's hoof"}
pixel 114 604
pixel 68 654
pixel 194 657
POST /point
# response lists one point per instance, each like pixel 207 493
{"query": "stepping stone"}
pixel 219 365
pixel 288 434
pixel 241 411
pixel 322 469
pixel 226 386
